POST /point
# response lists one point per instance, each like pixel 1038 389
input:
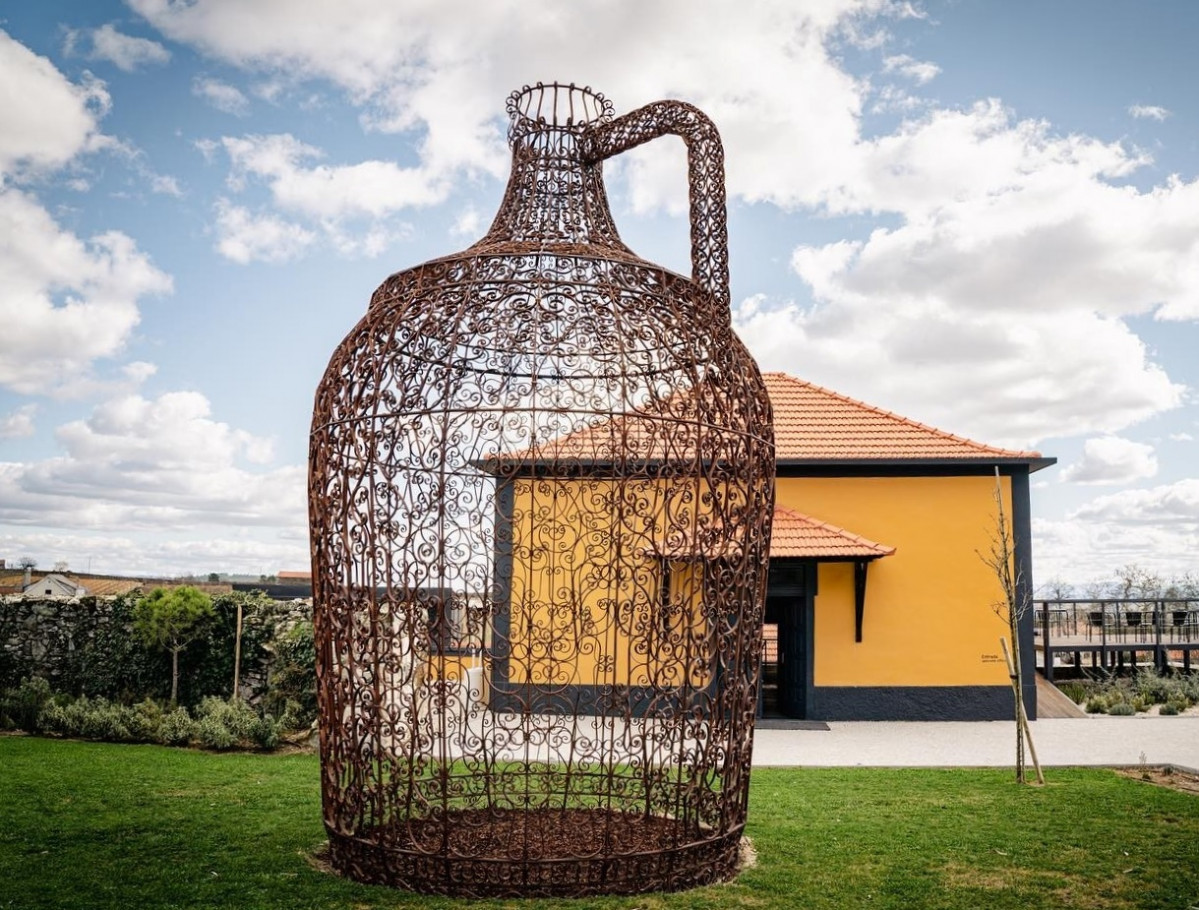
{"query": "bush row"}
pixel 215 723
pixel 1127 695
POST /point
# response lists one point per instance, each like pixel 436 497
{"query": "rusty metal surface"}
pixel 540 490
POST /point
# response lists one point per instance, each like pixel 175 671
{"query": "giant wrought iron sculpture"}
pixel 540 492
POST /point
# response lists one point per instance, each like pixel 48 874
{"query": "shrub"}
pixel 1096 704
pixel 224 724
pixel 23 706
pixel 294 717
pixel 1122 709
pixel 292 679
pixel 1075 691
pixel 177 728
pixel 144 721
pixel 265 734
pixel 234 715
pixel 213 734
pixel 1169 708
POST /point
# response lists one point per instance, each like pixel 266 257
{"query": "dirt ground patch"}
pixel 1165 776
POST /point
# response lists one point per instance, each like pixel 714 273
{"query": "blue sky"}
pixel 981 215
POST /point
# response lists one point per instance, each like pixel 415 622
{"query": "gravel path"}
pixel 1095 740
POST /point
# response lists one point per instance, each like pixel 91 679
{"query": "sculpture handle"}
pixel 705 177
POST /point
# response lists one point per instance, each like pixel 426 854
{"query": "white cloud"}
pixel 1182 437
pixel 1011 258
pixel 1017 258
pixel 1148 111
pixel 161 553
pixel 167 186
pixel 141 464
pixel 1170 504
pixel 373 189
pixel 47 118
pixel 920 71
pixel 64 302
pixel 246 237
pixel 350 207
pixel 18 423
pixel 221 95
pixel 1112 460
pixel 125 51
pixel 467 224
pixel 1082 549
pixel 432 68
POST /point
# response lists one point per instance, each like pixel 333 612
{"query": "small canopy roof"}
pixel 796 535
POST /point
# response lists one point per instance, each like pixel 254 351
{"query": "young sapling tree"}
pixel 172 620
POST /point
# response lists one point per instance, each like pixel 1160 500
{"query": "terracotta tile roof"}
pixel 798 535
pixel 812 423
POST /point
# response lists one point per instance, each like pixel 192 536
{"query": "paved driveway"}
pixel 1097 740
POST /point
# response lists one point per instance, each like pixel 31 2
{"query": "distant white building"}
pixel 54 585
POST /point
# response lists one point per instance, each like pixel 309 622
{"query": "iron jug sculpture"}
pixel 540 490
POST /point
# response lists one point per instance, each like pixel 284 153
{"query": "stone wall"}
pixel 52 637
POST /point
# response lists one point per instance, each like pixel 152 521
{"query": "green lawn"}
pixel 103 826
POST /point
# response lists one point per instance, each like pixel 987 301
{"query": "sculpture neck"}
pixel 554 197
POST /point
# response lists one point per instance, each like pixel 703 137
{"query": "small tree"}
pixel 171 620
pixel 1133 580
pixel 1057 589
pixel 1001 559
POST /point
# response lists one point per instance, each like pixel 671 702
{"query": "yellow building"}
pixel 879 603
pixel 883 605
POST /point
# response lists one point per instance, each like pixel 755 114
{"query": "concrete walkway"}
pixel 1096 740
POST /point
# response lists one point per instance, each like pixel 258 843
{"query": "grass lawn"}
pixel 91 825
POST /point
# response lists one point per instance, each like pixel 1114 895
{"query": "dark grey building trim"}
pixel 1022 544
pixel 912 703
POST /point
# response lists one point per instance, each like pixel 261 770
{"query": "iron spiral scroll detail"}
pixel 540 489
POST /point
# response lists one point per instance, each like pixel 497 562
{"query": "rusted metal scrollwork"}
pixel 540 490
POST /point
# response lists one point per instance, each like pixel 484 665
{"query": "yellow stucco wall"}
pixel 585 603
pixel 929 619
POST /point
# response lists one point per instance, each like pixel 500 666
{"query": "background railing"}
pixel 1117 625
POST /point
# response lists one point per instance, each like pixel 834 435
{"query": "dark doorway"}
pixel 785 668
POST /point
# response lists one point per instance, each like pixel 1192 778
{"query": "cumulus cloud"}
pixel 126 52
pixel 47 119
pixel 245 237
pixel 372 189
pixel 1010 255
pixel 221 95
pixel 1018 257
pixel 64 302
pixel 770 80
pixel 18 423
pixel 1112 460
pixel 141 464
pixel 352 207
pixel 1170 504
pixel 1149 112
